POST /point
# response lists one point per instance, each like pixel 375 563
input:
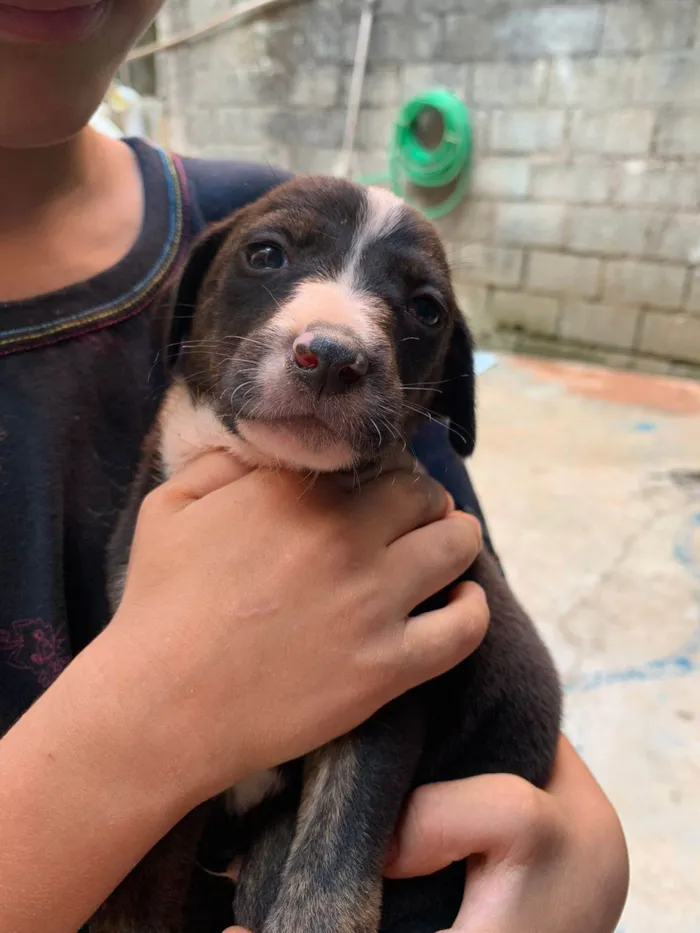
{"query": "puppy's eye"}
pixel 265 256
pixel 426 308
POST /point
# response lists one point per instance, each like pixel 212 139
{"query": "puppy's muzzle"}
pixel 329 362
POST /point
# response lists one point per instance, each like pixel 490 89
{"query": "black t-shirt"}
pixel 79 385
pixel 80 382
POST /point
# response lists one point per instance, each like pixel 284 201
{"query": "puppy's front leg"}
pixel 352 795
pixel 263 868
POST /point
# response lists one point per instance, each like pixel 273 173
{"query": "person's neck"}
pixel 32 180
pixel 68 212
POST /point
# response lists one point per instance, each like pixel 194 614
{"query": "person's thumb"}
pixel 446 823
pixel 235 930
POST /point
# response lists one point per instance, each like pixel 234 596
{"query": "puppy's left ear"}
pixel 182 300
pixel 457 400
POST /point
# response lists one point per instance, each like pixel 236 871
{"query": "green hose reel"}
pixel 413 162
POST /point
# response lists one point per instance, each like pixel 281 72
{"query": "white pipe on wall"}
pixel 357 82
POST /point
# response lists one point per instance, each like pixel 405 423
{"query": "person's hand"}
pixel 551 861
pixel 261 619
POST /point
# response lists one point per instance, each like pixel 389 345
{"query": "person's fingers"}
pixel 442 551
pixel 206 474
pixel 495 814
pixel 435 642
pixel 405 501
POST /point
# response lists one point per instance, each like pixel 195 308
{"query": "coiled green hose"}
pixel 411 162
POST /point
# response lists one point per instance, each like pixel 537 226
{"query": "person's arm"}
pixel 540 861
pixel 86 789
pixel 204 675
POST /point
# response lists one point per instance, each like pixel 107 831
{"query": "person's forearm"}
pixel 80 800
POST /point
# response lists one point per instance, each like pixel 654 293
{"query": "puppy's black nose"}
pixel 329 364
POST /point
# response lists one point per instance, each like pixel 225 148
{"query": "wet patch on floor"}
pixel 657 393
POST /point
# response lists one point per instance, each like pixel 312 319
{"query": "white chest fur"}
pixel 188 429
pixel 248 793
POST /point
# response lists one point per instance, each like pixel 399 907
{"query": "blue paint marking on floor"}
pixel 680 663
pixel 687 549
pixel 644 427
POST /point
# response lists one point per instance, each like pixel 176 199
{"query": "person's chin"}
pixel 61 124
pixel 66 104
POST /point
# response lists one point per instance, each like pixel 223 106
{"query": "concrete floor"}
pixel 591 484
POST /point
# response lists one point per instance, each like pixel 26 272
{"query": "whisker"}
pixel 419 409
pixel 419 389
pixel 279 306
pixel 376 428
pixel 314 474
pixel 440 382
pixel 461 435
pixel 224 338
pixel 267 345
pixel 239 387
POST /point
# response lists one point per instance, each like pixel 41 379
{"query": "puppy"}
pixel 315 329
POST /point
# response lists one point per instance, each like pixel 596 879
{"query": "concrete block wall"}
pixel 581 234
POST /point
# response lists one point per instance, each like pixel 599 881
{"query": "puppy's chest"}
pixel 252 790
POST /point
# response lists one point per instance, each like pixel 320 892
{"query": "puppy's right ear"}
pixel 182 301
pixel 457 400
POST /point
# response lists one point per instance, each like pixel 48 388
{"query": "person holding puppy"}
pixel 110 735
